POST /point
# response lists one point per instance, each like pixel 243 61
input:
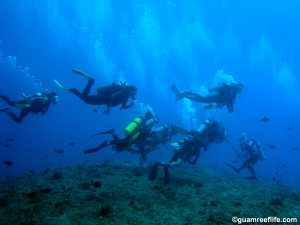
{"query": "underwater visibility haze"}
pixel 152 45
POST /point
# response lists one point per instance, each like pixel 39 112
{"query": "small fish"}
pixel 296 148
pixel 6 145
pixel 283 165
pixel 265 119
pixel 235 161
pixel 289 128
pixel 10 139
pixel 59 151
pixel 7 164
pixel 72 143
pixel 272 146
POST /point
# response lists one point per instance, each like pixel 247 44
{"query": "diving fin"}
pixel 81 73
pixel 178 93
pixel 59 85
pixel 175 89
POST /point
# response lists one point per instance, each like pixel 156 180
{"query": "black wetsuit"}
pixel 155 138
pixel 190 150
pixel 111 95
pixel 34 104
pixel 252 154
pixel 141 132
pixel 224 94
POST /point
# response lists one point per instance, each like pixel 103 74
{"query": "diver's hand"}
pixel 124 106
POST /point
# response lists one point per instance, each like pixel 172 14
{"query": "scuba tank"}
pixel 133 125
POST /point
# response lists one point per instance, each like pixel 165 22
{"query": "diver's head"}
pixel 53 97
pixel 149 115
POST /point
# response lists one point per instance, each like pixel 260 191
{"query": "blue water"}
pixel 151 44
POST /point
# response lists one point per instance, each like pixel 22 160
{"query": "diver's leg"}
pixel 210 98
pixel 88 99
pixel 143 158
pixel 16 118
pixel 166 174
pixel 115 136
pixel 88 87
pixel 252 171
pixel 111 131
pixel 175 157
pixel 194 97
pixel 7 100
pixel 232 167
pixel 98 148
pixel 230 107
pixel 154 171
pixel 242 167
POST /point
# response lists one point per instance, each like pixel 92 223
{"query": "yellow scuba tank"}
pixel 133 125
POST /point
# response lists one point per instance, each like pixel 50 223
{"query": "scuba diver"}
pixel 157 137
pixel 110 95
pixel 188 149
pixel 252 152
pixel 36 103
pixel 138 129
pixel 224 94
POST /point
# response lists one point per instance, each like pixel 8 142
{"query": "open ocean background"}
pixel 151 44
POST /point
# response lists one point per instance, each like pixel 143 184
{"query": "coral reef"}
pixel 120 193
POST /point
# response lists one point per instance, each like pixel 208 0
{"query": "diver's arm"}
pixel 262 155
pixel 230 107
pixel 125 106
pixel 45 108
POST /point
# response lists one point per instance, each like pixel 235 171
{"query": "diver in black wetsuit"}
pixel 252 152
pixel 138 129
pixel 188 149
pixel 157 137
pixel 36 103
pixel 222 95
pixel 110 95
